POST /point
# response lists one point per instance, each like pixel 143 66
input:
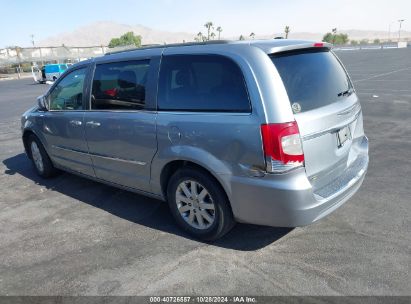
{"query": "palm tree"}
pixel 212 35
pixel 219 30
pixel 208 26
pixel 199 36
pixel 334 31
pixel 252 35
pixel 286 31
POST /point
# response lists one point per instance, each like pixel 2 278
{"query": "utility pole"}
pixel 32 39
pixel 41 57
pixel 389 30
pixel 399 30
pixel 19 61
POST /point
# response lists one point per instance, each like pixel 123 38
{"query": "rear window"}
pixel 201 83
pixel 312 78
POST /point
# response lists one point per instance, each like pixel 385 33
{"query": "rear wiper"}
pixel 347 92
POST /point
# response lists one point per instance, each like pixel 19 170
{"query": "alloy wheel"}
pixel 36 155
pixel 195 204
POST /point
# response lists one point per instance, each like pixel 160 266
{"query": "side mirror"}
pixel 42 103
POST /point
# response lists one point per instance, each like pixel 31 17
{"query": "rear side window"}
pixel 201 83
pixel 312 78
pixel 120 85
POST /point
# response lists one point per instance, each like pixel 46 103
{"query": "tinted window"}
pixel 52 68
pixel 120 85
pixel 68 93
pixel 201 83
pixel 312 79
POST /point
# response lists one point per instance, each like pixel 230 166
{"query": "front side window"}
pixel 120 85
pixel 68 93
pixel 201 83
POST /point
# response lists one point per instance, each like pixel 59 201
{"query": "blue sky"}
pixel 46 18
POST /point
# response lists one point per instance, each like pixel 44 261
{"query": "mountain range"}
pixel 100 33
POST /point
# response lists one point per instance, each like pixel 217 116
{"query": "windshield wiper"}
pixel 347 92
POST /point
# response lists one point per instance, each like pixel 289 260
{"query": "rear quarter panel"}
pixel 226 144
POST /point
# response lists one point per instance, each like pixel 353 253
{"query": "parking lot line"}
pixel 383 74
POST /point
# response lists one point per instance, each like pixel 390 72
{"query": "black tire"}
pixel 48 168
pixel 223 217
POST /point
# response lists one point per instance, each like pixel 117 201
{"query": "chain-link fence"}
pixel 22 59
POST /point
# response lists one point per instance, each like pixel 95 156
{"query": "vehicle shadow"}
pixel 139 209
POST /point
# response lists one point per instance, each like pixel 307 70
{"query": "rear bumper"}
pixel 288 200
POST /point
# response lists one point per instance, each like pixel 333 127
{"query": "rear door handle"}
pixel 76 123
pixel 93 124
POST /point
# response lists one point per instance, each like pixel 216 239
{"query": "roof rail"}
pixel 156 46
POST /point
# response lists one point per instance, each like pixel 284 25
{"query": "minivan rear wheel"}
pixel 41 161
pixel 199 204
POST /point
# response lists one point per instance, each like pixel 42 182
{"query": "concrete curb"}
pixel 15 77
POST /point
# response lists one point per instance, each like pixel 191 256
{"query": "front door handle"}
pixel 93 124
pixel 76 123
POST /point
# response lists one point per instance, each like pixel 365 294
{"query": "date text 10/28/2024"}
pixel 203 299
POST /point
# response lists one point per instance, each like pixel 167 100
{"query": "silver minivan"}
pixel 262 132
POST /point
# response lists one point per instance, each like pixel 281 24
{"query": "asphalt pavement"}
pixel 72 236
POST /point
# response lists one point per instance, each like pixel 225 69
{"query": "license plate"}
pixel 343 135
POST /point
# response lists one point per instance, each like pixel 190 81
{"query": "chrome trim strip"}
pixel 179 112
pixel 123 111
pixel 136 162
pixel 70 150
pixel 331 130
pixel 58 111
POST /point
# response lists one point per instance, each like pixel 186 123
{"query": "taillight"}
pixel 282 146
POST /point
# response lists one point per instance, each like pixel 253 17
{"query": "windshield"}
pixel 313 78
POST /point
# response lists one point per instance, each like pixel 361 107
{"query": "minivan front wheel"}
pixel 199 204
pixel 41 161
